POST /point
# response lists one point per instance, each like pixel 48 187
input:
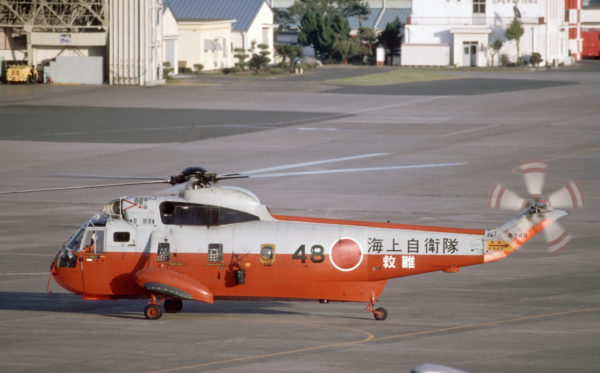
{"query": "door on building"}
pixel 469 53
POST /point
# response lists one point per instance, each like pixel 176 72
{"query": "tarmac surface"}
pixel 532 312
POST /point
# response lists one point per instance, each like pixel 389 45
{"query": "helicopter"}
pixel 202 242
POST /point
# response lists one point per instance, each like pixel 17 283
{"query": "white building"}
pixel 460 32
pixel 207 32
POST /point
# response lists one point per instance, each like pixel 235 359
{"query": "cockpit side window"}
pixel 185 213
pixel 94 241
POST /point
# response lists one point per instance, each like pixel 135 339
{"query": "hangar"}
pixel 85 41
pixel 127 42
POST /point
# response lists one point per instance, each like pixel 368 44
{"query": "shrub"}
pixel 277 70
pixel 305 66
pixel 535 59
pixel 504 60
pixel 231 70
pixel 167 70
pixel 198 67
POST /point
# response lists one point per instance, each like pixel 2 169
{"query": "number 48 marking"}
pixel 317 254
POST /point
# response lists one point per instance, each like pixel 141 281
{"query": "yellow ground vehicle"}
pixel 21 74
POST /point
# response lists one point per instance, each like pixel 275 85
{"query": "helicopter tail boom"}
pixel 510 236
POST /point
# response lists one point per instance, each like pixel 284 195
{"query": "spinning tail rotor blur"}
pixel 538 209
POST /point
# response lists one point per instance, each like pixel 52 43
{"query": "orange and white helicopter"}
pixel 204 243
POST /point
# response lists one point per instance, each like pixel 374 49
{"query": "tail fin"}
pixel 505 239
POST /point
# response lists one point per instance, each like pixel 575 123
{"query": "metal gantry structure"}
pixel 134 29
pixel 54 15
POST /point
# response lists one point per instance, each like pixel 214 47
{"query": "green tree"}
pixel 242 56
pixel 366 38
pixel 260 60
pixel 391 37
pixel 515 31
pixel 322 21
pixel 283 18
pixel 345 47
pixel 289 53
pixel 309 28
pixel 495 47
pixel 320 30
pixel 334 27
pixel 346 7
pixel 535 59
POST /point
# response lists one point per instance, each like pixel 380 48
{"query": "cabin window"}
pixel 121 236
pixel 215 253
pixel 185 213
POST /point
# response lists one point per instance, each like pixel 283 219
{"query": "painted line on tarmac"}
pixel 25 274
pixel 485 324
pixel 316 129
pixel 469 130
pixel 313 163
pixel 370 338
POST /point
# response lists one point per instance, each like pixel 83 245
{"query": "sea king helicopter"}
pixel 201 242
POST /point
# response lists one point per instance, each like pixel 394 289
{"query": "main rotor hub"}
pixel 198 175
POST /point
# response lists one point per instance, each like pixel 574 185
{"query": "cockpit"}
pixel 87 239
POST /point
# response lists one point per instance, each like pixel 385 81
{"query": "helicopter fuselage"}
pixel 225 243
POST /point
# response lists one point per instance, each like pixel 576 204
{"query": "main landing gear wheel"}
pixel 173 305
pixel 380 314
pixel 152 312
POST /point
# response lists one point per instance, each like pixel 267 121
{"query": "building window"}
pixel 478 6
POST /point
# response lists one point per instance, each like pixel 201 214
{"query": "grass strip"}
pixel 398 76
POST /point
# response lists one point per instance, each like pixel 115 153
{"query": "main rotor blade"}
pixel 95 176
pixel 569 196
pixel 503 198
pixel 348 170
pixel 534 175
pixel 84 187
pixel 556 237
pixel 232 176
pixel 305 164
pixel 175 189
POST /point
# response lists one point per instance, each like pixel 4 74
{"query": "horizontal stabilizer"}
pixel 173 285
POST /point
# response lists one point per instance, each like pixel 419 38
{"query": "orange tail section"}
pixel 510 236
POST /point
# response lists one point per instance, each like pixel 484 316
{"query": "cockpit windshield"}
pixel 74 242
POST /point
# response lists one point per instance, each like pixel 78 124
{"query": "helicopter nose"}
pixel 65 271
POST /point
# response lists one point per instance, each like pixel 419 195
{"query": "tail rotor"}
pixel 538 211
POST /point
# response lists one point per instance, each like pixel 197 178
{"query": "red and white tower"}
pixel 573 20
